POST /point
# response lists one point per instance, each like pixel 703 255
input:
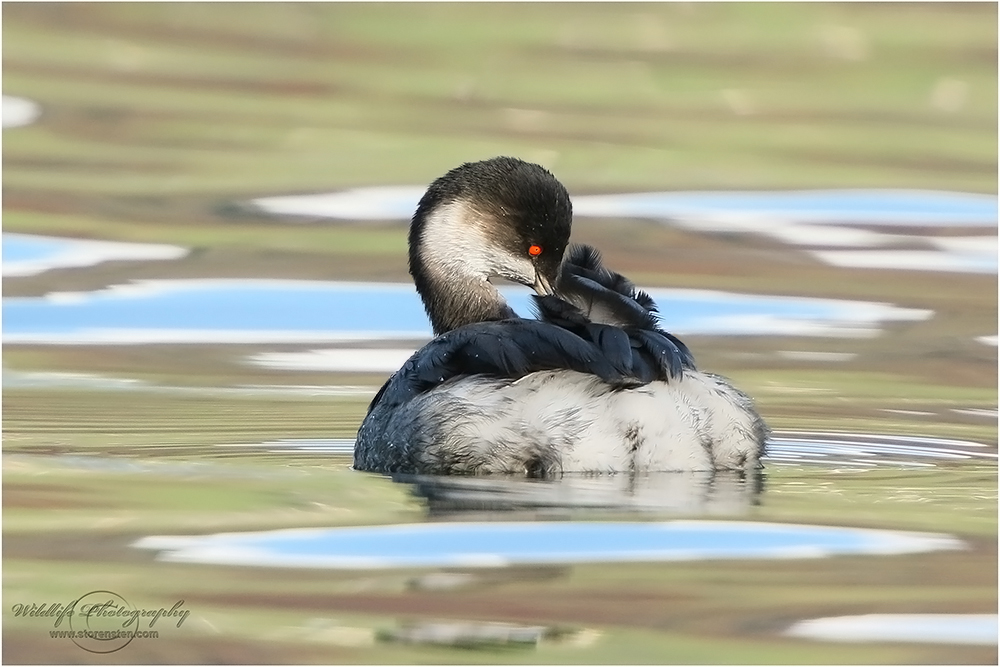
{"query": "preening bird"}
pixel 593 384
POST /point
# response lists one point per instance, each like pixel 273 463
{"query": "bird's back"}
pixel 594 384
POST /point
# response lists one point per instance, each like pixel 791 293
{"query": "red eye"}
pixel 534 250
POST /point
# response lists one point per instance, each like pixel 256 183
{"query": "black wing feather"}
pixel 625 347
pixel 601 294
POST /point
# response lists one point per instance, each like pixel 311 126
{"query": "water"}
pixel 821 222
pixel 29 254
pixel 870 450
pixel 922 628
pixel 19 111
pixel 291 311
pixel 500 544
pixel 885 207
pixel 31 248
pixel 205 455
pixel 309 311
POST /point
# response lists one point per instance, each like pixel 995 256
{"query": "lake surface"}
pixel 167 311
pixel 19 111
pixel 293 311
pixel 29 254
pixel 922 628
pixel 884 527
pixel 847 228
pixel 850 450
pixel 884 207
pixel 501 544
pixel 498 544
pixel 212 421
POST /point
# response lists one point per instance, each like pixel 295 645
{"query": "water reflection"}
pixel 884 207
pixel 680 493
pixel 822 222
pixel 290 311
pixel 702 493
pixel 29 254
pixel 18 111
pixel 502 544
pixel 921 628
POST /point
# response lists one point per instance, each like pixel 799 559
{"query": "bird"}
pixel 591 384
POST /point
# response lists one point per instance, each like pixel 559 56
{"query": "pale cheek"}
pixel 513 268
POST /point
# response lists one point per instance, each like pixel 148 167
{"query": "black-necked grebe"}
pixel 592 385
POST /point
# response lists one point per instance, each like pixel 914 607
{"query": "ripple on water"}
pixel 678 493
pixel 862 450
pixel 343 446
pixel 869 450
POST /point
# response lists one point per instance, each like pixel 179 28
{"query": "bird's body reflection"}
pixel 690 493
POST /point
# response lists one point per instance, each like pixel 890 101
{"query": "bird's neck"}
pixel 449 261
pixel 455 301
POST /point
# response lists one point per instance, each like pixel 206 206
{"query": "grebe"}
pixel 593 385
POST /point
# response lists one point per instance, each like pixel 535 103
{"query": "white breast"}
pixel 573 422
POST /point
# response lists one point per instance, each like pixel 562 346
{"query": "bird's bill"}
pixel 542 286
